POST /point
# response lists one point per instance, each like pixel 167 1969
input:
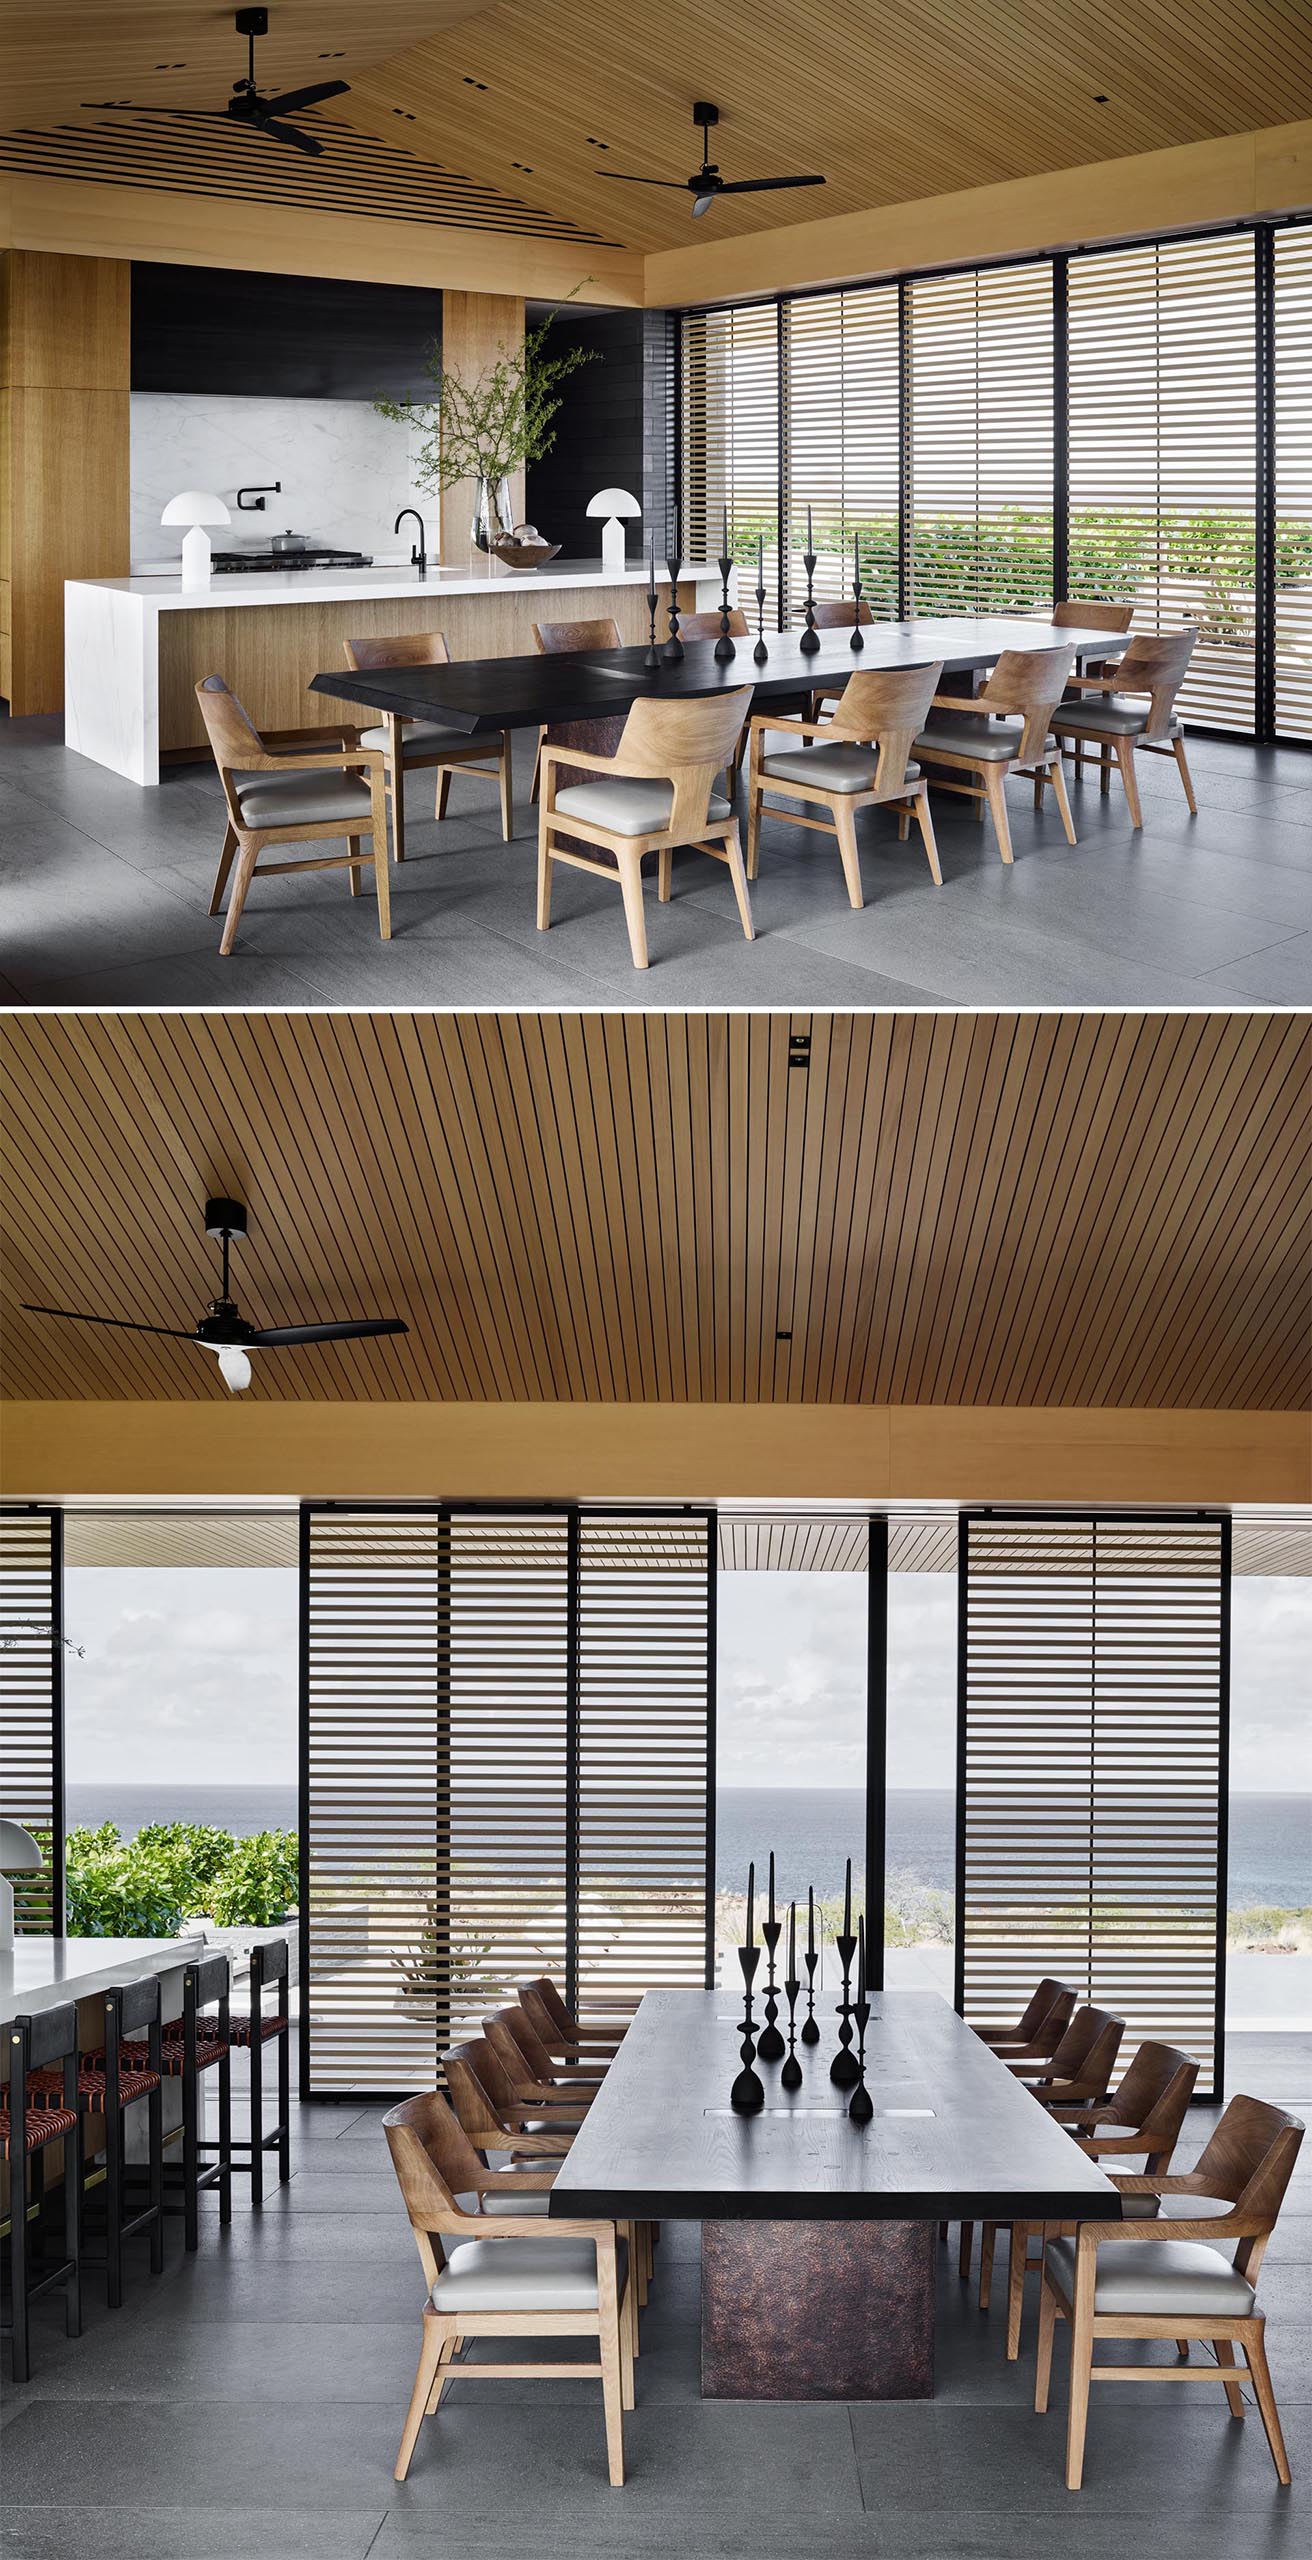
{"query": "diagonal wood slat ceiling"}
pixel 1040 1209
pixel 536 98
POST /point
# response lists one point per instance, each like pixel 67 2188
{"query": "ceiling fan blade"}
pixel 271 1336
pixel 764 186
pixel 288 133
pixel 680 186
pixel 294 99
pixel 121 1324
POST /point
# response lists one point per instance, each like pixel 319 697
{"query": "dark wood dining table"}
pixel 819 2236
pixel 482 694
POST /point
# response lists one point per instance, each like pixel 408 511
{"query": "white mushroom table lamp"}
pixel 21 1855
pixel 196 508
pixel 614 505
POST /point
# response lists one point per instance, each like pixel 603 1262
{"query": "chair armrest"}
pixel 1091 2113
pixel 964 702
pixel 509 2182
pixel 791 721
pixel 1098 2143
pixel 556 2145
pixel 584 756
pixel 1105 684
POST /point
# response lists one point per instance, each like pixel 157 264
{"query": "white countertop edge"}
pixel 348 586
pixel 39 1973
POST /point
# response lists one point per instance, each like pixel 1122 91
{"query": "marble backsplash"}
pixel 345 472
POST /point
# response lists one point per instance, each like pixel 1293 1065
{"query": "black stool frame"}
pixel 36 2042
pixel 127 2008
pixel 269 1967
pixel 204 1983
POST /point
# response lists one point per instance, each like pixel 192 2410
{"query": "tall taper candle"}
pixel 861 1957
pixel 847 1902
pixel 772 1884
pixel 810 1919
pixel 809 543
pixel 792 1940
pixel 751 1895
pixel 726 533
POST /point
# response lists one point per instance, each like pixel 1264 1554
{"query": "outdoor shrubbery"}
pixel 176 1871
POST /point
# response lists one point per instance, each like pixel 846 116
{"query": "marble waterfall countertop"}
pixel 164 592
pixel 37 1973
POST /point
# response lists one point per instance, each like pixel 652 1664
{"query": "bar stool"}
pixel 45 2042
pixel 189 2045
pixel 108 2083
pixel 269 1967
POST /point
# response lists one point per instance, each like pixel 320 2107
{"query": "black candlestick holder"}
pixel 810 640
pixel 760 652
pixel 791 2074
pixel 770 2044
pixel 861 2105
pixel 653 656
pixel 748 2091
pixel 673 649
pixel 843 2070
pixel 856 641
pixel 724 648
pixel 810 2030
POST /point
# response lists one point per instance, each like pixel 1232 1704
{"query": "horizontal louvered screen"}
pixel 644 1755
pixel 1163 452
pixel 980 430
pixel 841 444
pixel 1293 481
pixel 730 436
pixel 506 1737
pixel 1092 1770
pixel 31 1709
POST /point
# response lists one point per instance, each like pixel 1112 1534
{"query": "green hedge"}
pixel 173 1871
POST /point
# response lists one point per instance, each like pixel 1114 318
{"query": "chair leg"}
pixel 1186 777
pixel 845 830
pixel 190 2156
pixel 353 875
pixel 443 789
pixel 734 856
pixel 536 784
pixel 284 2107
pixel 630 870
pixel 225 2140
pixel 966 2249
pixel 248 849
pixel 995 788
pixel 1039 779
pixel 18 2346
pixel 114 2210
pixel 397 772
pixel 257 2110
pixel 665 874
pixel 1104 770
pixel 444 2374
pixel 1077 2416
pixel 1019 2247
pixel 753 831
pixel 155 2140
pixel 987 2242
pixel 1254 2345
pixel 225 866
pixel 1058 781
pixel 1125 759
pixel 612 2376
pixel 507 781
pixel 925 817
pixel 382 884
pixel 73 2230
pixel 1182 2348
pixel 429 2356
pixel 1043 2358
pixel 1224 2351
pixel 544 877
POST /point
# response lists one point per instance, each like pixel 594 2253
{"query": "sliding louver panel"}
pixel 842 444
pixel 1163 452
pixel 979 424
pixel 31 1709
pixel 1092 1717
pixel 1292 337
pixel 730 443
pixel 645 1772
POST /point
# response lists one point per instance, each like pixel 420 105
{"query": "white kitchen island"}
pixel 135 648
pixel 38 1973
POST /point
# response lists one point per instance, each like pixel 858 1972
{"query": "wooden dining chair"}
pixel 568 2041
pixel 1083 2063
pixel 1127 2280
pixel 533 2083
pixel 706 626
pixel 835 613
pixel 587 2076
pixel 1081 613
pixel 1154 664
pixel 496 2268
pixel 968 735
pixel 284 789
pixel 408 746
pixel 564 640
pixel 658 791
pixel 1033 2016
pixel 1145 2116
pixel 490 2112
pixel 860 759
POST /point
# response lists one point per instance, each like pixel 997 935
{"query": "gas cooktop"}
pixel 264 561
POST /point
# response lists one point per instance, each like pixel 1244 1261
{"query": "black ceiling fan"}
pixel 707 184
pixel 246 106
pixel 222 1329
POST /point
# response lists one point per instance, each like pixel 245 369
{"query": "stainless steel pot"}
pixel 290 541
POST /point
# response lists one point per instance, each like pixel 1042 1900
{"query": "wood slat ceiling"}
pixel 535 101
pixel 1040 1209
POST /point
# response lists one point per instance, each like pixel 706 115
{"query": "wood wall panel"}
pixel 1094 1211
pixel 477 329
pixel 64 453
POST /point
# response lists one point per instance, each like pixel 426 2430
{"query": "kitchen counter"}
pixel 134 648
pixel 39 1973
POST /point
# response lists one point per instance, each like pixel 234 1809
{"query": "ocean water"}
pixel 811 1831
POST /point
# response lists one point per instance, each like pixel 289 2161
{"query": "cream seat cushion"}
pixel 988 741
pixel 534 2202
pixel 835 768
pixel 1158 2277
pixel 630 805
pixel 304 799
pixel 1112 718
pixel 522 2275
pixel 428 737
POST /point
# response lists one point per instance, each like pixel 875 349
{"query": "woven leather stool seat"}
pixel 46 2087
pixel 240 2028
pixel 44 2124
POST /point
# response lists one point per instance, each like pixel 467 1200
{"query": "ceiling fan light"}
pixel 702 203
pixel 234 1365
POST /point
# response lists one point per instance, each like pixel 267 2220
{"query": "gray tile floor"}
pixel 246 2406
pixel 104 890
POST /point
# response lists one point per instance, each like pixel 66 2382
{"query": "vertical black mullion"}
pixel 444 1811
pixel 1264 579
pixel 303 1793
pixel 959 1915
pixel 1222 1813
pixel 712 1693
pixel 876 1746
pixel 905 494
pixel 573 1769
pixel 58 1809
pixel 782 491
pixel 1061 430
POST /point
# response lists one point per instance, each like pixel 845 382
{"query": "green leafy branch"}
pixel 487 429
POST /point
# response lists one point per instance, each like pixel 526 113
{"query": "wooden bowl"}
pixel 525 555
